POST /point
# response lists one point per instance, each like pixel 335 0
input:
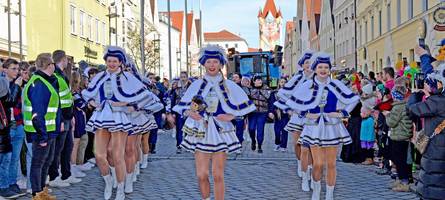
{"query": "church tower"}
pixel 269 19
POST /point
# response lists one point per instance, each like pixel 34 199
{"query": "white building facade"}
pixel 345 33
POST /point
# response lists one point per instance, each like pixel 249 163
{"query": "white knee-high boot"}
pixel 120 194
pixel 299 172
pixel 108 186
pixel 316 191
pixel 305 181
pixel 144 161
pixel 129 183
pixel 329 192
pixel 113 174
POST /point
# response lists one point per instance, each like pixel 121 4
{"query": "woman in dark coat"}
pixel 431 183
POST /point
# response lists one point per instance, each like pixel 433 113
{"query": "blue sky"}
pixel 237 16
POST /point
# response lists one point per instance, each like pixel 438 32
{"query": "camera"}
pixel 419 80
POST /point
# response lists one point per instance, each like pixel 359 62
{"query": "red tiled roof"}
pixel 177 18
pixel 269 7
pixel 253 50
pixel 223 35
pixel 190 22
pixel 198 28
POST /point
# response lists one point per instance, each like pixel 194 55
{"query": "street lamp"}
pixel 112 15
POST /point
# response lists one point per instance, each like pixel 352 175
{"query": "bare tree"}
pixel 151 53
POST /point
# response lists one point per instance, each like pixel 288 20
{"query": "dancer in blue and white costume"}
pixel 296 122
pixel 143 121
pixel 323 102
pixel 225 100
pixel 114 94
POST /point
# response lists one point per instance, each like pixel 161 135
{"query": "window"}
pixel 97 30
pixel 399 13
pixel 399 57
pixel 90 31
pixel 81 23
pixel 424 5
pixel 388 17
pixel 73 19
pixel 366 31
pixel 361 35
pixel 380 22
pixel 104 32
pixel 227 45
pixel 236 45
pixel 372 27
pixel 411 55
pixel 410 9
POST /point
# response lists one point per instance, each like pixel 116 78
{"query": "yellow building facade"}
pixel 388 31
pixel 80 27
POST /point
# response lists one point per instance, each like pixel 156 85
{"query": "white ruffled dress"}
pixel 108 87
pixel 222 97
pixel 296 121
pixel 320 99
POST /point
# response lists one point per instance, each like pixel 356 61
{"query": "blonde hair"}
pixel 43 60
pixel 75 81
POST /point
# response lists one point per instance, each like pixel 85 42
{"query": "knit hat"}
pixel 212 51
pixel 368 89
pixel 320 58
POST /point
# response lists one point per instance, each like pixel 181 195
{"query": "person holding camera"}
pixel 431 183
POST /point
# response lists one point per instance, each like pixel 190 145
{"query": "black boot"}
pixel 253 146
pixel 152 147
pixel 260 150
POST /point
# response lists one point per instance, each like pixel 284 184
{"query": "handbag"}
pixel 3 117
pixel 422 140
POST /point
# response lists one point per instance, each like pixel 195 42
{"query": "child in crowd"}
pixel 367 134
pixel 401 133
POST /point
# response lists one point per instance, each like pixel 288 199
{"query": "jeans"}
pixel 179 124
pixel 5 159
pixel 280 134
pixel 154 133
pixel 28 163
pixel 41 159
pixel 17 134
pixel 257 121
pixel 239 126
pixel 64 138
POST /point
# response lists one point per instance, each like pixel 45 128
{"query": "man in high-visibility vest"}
pixel 64 141
pixel 41 116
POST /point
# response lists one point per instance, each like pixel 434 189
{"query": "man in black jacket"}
pixel 64 141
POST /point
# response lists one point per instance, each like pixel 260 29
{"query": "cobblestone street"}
pixel 271 175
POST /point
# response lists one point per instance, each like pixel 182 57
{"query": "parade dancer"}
pixel 260 95
pixel 281 119
pixel 142 122
pixel 323 102
pixel 114 94
pixel 296 122
pixel 224 100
